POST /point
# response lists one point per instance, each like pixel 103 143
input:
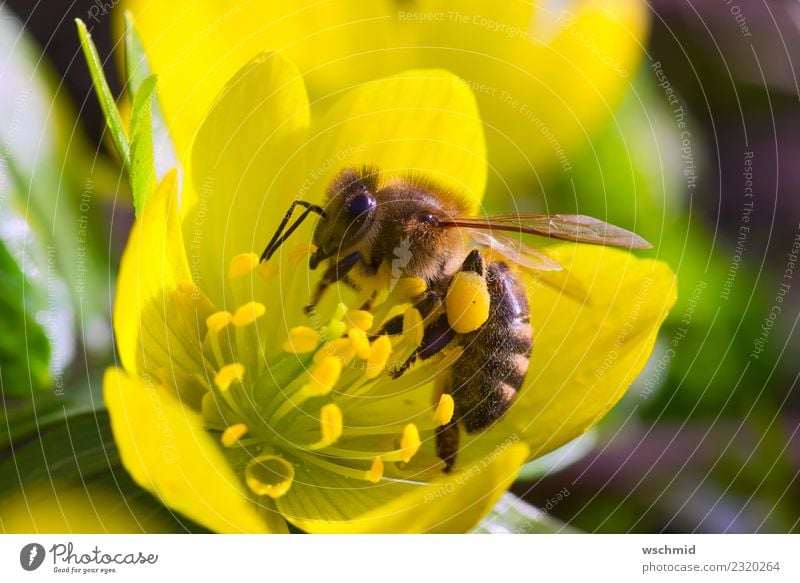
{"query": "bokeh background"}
pixel 699 152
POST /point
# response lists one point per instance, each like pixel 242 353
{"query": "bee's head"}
pixel 349 213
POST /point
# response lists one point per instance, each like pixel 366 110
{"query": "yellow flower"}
pixel 242 413
pixel 545 74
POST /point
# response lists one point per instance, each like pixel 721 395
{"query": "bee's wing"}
pixel 578 228
pixel 514 250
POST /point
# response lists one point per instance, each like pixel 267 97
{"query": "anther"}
pixel 409 442
pixel 302 339
pixel 233 434
pixel 375 472
pixel 444 410
pixel 228 374
pixel 248 313
pixel 242 264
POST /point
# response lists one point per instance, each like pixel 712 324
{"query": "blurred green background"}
pixel 700 157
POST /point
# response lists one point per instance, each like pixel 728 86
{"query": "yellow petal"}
pixel 546 76
pixel 585 355
pixel 200 44
pixel 422 122
pixel 156 308
pixel 246 166
pixel 454 503
pixel 165 448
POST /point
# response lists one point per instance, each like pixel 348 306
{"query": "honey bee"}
pixel 363 222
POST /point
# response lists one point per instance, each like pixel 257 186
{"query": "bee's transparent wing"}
pixel 514 250
pixel 578 228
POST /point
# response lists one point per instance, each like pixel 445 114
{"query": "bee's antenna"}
pixel 277 240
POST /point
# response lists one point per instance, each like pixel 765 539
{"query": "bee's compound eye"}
pixel 360 204
pixel 427 218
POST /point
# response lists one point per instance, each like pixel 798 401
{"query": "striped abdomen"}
pixel 487 376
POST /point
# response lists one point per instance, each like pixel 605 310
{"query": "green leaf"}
pixel 142 171
pixel 137 70
pixel 107 101
pixel 512 515
pixel 24 346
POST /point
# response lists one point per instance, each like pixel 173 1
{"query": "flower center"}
pixel 318 397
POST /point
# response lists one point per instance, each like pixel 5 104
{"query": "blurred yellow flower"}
pixel 237 411
pixel 546 75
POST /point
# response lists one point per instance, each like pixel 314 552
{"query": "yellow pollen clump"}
pixel 375 472
pixel 233 434
pixel 409 442
pixel 444 410
pixel 324 375
pixel 360 319
pixel 413 327
pixel 330 423
pixel 360 342
pixel 248 313
pixel 269 475
pixel 378 356
pixel 227 374
pixel 467 302
pixel 302 339
pixel 242 264
pixel 217 321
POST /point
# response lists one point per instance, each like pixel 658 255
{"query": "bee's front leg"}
pixel 334 273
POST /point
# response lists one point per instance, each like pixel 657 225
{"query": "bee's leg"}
pixel 436 337
pixel 447 440
pixel 427 303
pixel 334 273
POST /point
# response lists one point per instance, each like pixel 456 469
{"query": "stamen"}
pixel 242 264
pixel 413 327
pixel 267 270
pixel 217 321
pixel 324 375
pixel 330 424
pixel 302 339
pixel 378 356
pixel 233 434
pixel 408 288
pixel 336 327
pixel 410 442
pixel 228 374
pixel 360 342
pixel 341 348
pixel 467 302
pixel 248 313
pixel 360 319
pixel 444 410
pixel 375 472
pixel 269 475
